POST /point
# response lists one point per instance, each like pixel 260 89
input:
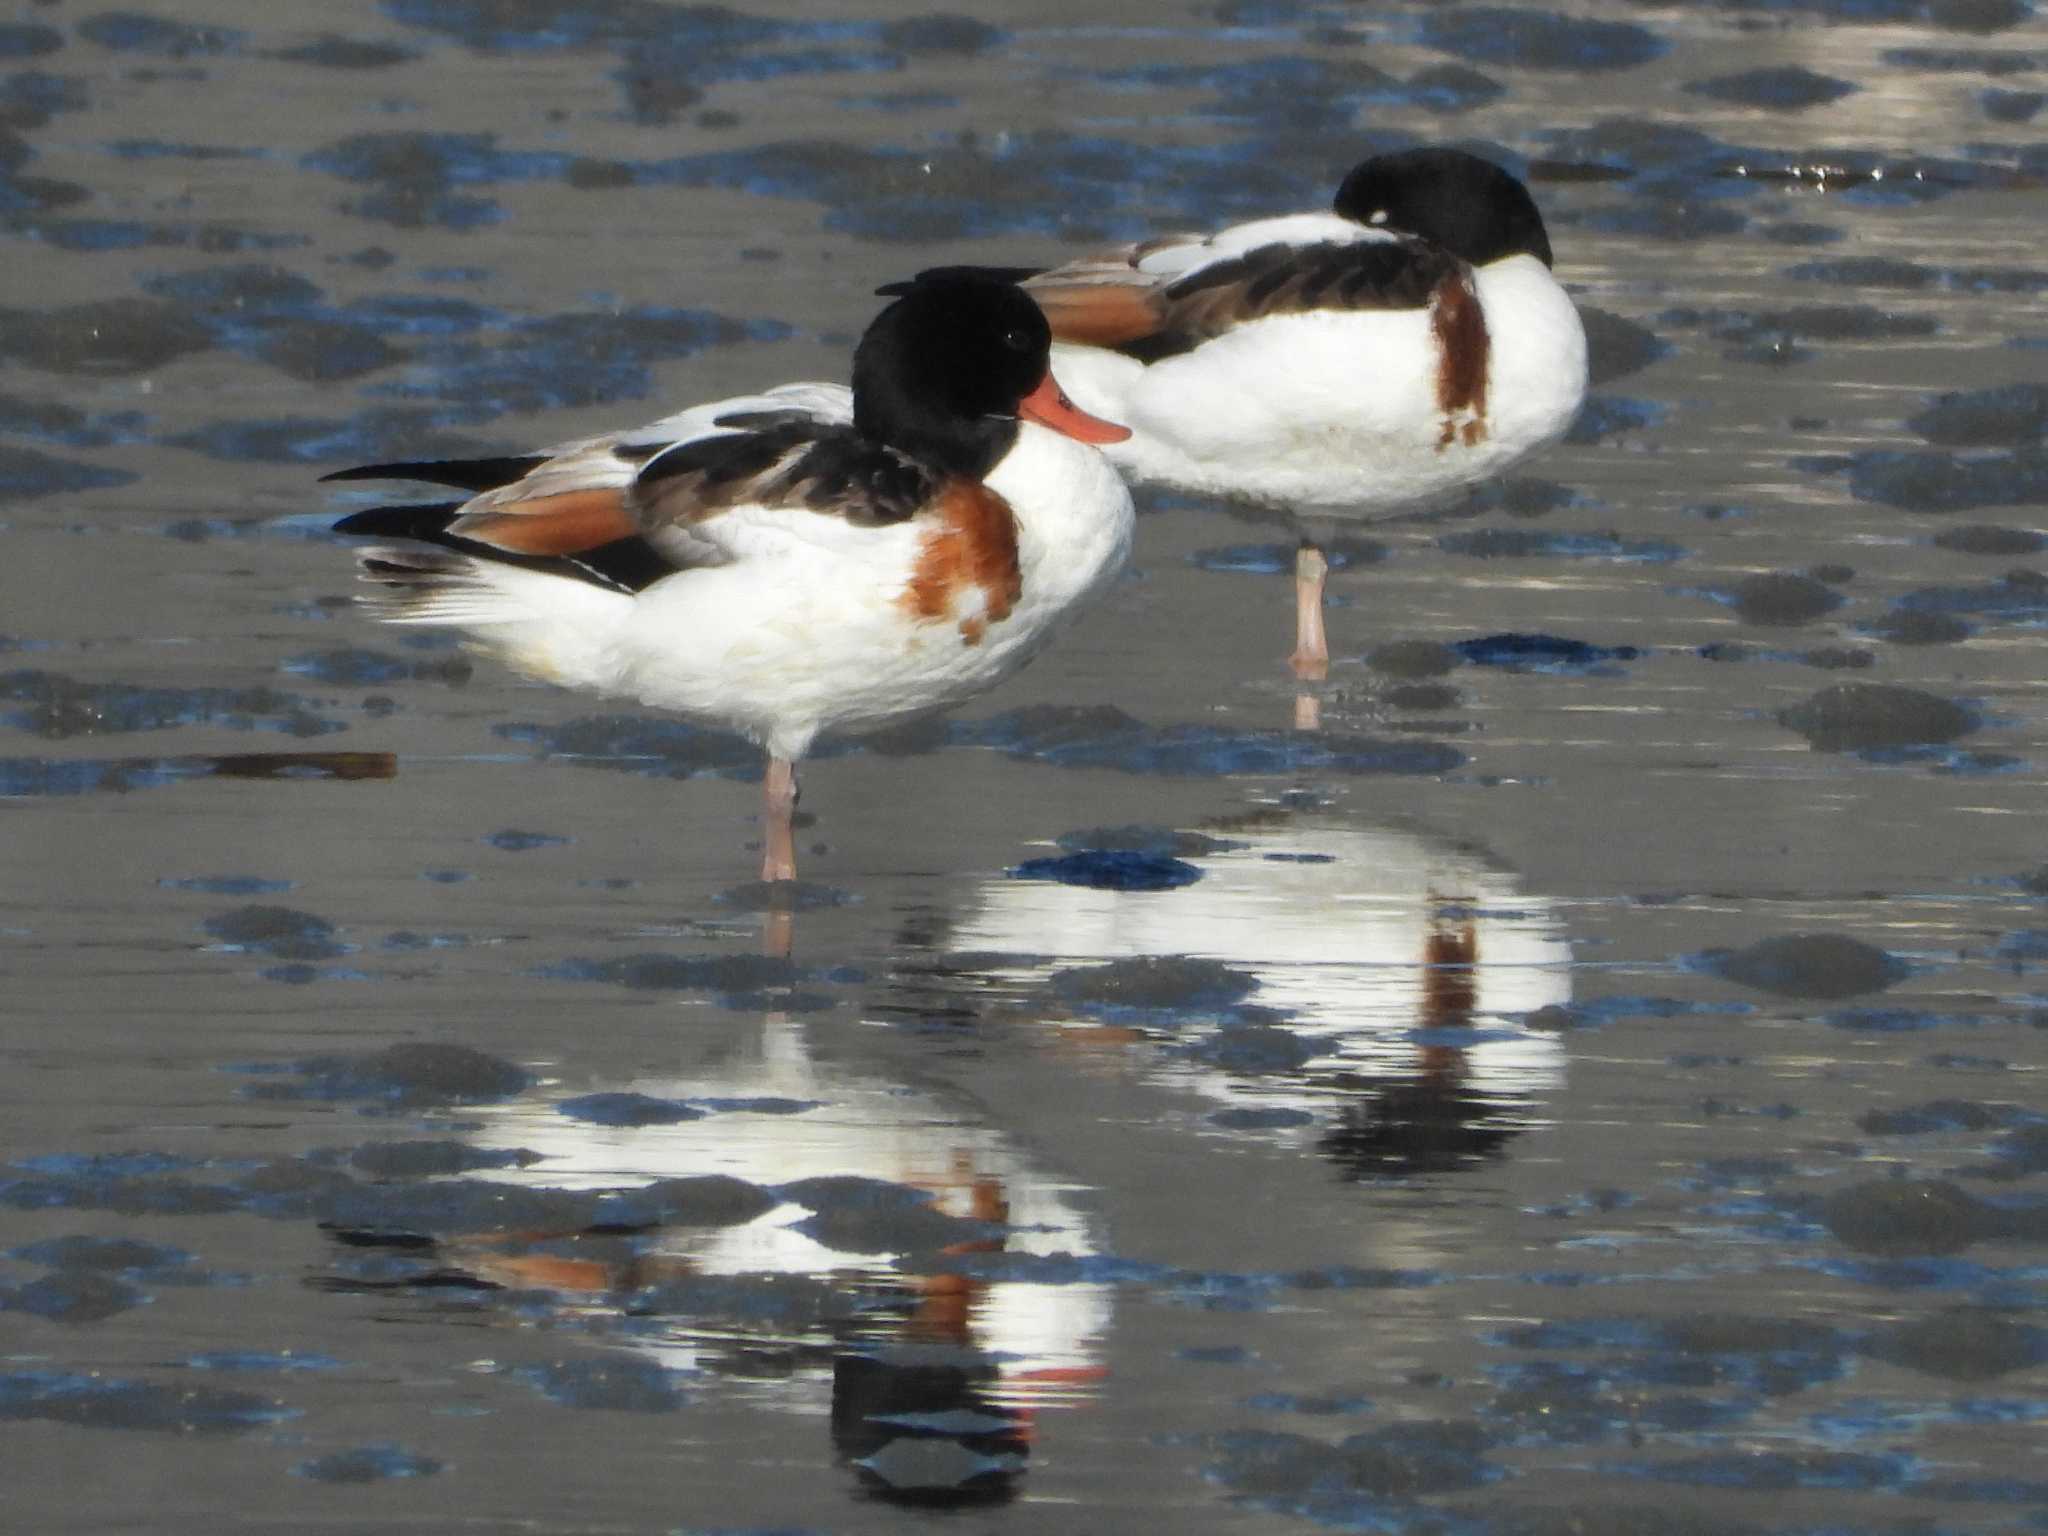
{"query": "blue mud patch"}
pixel 464 363
pixel 367 1464
pixel 1806 965
pixel 1608 416
pixel 227 885
pixel 1105 737
pixel 1111 869
pixel 1551 655
pixel 1278 559
pixel 60 708
pixel 37 776
pixel 1532 543
pixel 356 668
pixel 620 1385
pixel 261 1362
pixel 1896 1021
pixel 513 840
pixel 104 1402
pixel 1931 480
pixel 412 1075
pixel 667 749
pixel 2019 597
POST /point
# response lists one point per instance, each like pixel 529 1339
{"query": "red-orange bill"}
pixel 1049 406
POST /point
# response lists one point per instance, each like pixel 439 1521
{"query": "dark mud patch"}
pixel 94 1401
pixel 1809 965
pixel 285 933
pixel 1105 737
pixel 411 1075
pixel 331 51
pixel 741 981
pixel 1617 347
pixel 1160 842
pixel 1779 599
pixel 852 1214
pixel 27 473
pixel 105 336
pixel 1991 540
pixel 432 1159
pixel 1907 1218
pixel 61 708
pixel 518 840
pixel 1876 717
pixel 1784 88
pixel 1165 990
pixel 75 1297
pixel 1926 480
pixel 1413 660
pixel 1916 627
pixel 1367 1481
pixel 2007 417
pixel 1961 1344
pixel 1496 35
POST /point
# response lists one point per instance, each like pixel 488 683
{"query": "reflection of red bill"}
pixel 1049 406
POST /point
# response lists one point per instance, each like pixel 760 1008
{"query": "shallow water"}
pixel 1592 1083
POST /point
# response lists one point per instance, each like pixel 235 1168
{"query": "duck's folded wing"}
pixel 618 489
pixel 1165 303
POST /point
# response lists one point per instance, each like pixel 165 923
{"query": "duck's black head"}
pixel 1469 206
pixel 940 372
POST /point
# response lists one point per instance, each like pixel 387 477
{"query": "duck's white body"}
pixel 1335 411
pixel 800 626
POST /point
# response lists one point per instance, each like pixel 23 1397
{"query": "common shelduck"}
pixel 1403 346
pixel 808 559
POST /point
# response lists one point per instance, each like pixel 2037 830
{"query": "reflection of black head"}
pixel 1408 1126
pixel 918 1430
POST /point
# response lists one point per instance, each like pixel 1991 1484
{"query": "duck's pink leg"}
pixel 778 813
pixel 1311 658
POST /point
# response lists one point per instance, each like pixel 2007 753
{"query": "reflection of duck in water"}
pixel 851 1264
pixel 1360 985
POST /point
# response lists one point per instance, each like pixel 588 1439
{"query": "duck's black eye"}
pixel 1018 340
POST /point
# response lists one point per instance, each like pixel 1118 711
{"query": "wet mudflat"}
pixel 1590 1083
